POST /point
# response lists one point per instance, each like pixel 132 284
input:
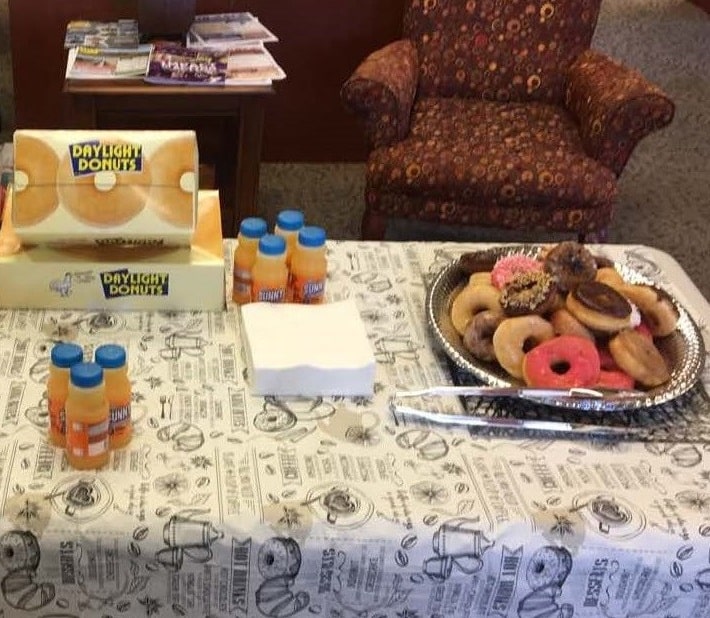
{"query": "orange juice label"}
pixel 242 281
pixel 119 419
pixel 57 416
pixel 308 291
pixel 86 439
pixel 268 294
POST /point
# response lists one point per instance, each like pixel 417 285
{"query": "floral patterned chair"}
pixel 497 113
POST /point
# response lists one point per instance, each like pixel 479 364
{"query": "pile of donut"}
pixel 565 319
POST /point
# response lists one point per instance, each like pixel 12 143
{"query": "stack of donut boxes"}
pixel 110 220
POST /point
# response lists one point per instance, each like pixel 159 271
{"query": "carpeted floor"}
pixel 664 190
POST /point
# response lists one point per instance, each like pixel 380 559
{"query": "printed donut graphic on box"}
pixel 104 183
pixel 35 175
pixel 279 561
pixel 546 573
pixel 105 187
pixel 172 193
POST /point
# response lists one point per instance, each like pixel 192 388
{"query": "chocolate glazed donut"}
pixel 599 307
pixel 571 264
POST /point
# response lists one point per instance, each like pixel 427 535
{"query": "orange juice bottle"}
pixel 87 417
pixel 309 267
pixel 288 224
pixel 270 274
pixel 112 359
pixel 251 230
pixel 62 357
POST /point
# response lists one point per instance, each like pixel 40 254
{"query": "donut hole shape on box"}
pixel 104 199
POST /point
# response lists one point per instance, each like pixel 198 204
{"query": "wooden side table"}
pixel 228 120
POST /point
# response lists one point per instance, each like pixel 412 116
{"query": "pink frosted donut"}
pixel 509 266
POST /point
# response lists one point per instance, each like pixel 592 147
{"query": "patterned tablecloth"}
pixel 231 505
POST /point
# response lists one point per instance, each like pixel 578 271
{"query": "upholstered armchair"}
pixel 497 113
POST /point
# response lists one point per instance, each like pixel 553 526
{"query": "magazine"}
pixel 251 64
pixel 175 64
pixel 121 34
pixel 227 29
pixel 97 63
pixel 240 65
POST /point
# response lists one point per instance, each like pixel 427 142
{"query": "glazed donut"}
pixel 565 361
pixel 528 292
pixel 638 356
pixel 478 337
pixel 103 199
pixel 657 310
pixel 515 336
pixel 599 307
pixel 482 277
pixel 172 194
pixel 469 301
pixel 37 199
pixel 565 323
pixel 610 276
pixel 571 264
pixel 506 268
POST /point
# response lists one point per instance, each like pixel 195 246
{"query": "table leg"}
pixel 79 112
pixel 251 124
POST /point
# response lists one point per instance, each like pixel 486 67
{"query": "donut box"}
pixel 105 187
pixel 116 278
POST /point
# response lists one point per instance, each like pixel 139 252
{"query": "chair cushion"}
pixel 487 156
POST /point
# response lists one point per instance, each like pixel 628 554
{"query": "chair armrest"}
pixel 380 92
pixel 615 106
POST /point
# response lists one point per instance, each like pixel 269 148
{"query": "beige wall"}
pixel 7 111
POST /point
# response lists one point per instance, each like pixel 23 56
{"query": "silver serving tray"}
pixel 683 350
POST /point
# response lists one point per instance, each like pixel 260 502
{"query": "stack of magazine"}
pixel 105 50
pixel 220 49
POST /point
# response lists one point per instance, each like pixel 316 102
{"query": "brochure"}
pixel 121 34
pixel 251 64
pixel 227 29
pixel 97 63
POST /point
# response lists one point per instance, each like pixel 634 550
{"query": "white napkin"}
pixel 310 350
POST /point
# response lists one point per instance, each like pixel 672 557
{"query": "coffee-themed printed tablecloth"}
pixel 226 504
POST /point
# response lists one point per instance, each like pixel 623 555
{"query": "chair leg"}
pixel 374 226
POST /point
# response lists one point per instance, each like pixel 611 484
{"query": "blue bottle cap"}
pixel 290 220
pixel 311 236
pixel 272 244
pixel 65 355
pixel 86 375
pixel 252 227
pixel 110 356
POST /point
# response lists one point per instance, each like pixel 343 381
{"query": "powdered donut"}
pixel 103 199
pixel 174 181
pixel 471 300
pixel 515 336
pixel 38 199
pixel 562 362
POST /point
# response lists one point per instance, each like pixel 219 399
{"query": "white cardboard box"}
pixel 114 277
pixel 307 350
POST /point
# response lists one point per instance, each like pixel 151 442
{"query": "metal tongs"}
pixel 540 395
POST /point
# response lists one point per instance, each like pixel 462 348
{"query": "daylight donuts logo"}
pixel 93 157
pixel 120 283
